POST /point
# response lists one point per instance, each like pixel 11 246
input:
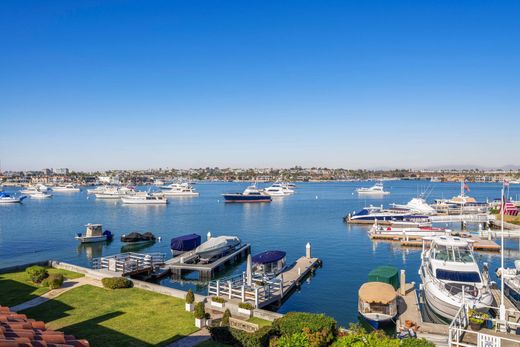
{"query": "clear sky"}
pixel 140 84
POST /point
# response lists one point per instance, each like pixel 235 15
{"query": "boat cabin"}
pixel 94 230
pixel 269 263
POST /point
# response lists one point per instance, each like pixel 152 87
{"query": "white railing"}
pixel 459 328
pixel 129 262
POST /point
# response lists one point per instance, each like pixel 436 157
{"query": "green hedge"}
pixel 54 281
pixel 37 273
pixel 319 329
pixel 117 283
pixel 235 337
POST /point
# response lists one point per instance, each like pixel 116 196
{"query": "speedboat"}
pixel 34 189
pixel 250 194
pixel 144 198
pixel 40 195
pixel 377 303
pixel 417 205
pixel 451 276
pixel 184 243
pixel 6 198
pixel 178 189
pixel 511 278
pixel 376 189
pixel 137 238
pixel 371 214
pixel 68 188
pixel 94 233
pixel 217 246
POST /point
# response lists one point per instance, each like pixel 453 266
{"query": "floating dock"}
pixel 261 292
pixel 185 263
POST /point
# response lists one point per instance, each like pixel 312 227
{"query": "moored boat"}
pixel 68 188
pixel 94 233
pixel 269 264
pixel 376 189
pixel 450 277
pixel 250 194
pixel 184 243
pixel 178 189
pixel 377 303
pixel 371 214
pixel 217 246
pixel 6 198
pixel 40 195
pixel 136 238
pixel 144 199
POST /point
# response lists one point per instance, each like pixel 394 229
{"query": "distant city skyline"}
pixel 133 85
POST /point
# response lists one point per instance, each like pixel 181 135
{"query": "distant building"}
pixel 62 171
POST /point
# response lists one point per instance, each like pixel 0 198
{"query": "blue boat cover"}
pixel 268 257
pixel 185 243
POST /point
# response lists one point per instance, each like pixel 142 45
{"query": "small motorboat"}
pixel 269 264
pixel 136 238
pixel 40 195
pixel 184 243
pixel 94 233
pixel 217 246
pixel 377 303
pixel 6 198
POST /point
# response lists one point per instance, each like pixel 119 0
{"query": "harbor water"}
pixel 45 229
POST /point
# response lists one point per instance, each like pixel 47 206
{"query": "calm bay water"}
pixel 45 229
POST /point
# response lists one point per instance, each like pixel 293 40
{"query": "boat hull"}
pixel 143 202
pixel 377 321
pixel 239 198
pixel 91 239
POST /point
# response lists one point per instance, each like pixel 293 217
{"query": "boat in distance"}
pixel 6 198
pixel 94 233
pixel 250 194
pixel 376 189
pixel 178 189
pixel 40 195
pixel 144 199
pixel 68 188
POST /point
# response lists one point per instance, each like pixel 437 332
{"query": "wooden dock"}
pixel 478 245
pixel 265 293
pixel 188 263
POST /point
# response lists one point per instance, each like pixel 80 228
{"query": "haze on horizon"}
pixel 183 84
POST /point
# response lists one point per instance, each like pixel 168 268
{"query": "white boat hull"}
pixel 90 239
pixel 40 196
pixel 180 194
pixel 144 202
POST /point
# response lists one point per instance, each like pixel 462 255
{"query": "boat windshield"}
pixel 452 253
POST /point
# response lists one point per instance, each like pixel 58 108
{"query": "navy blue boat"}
pixel 250 194
pixel 184 243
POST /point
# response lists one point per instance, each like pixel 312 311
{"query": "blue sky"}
pixel 139 84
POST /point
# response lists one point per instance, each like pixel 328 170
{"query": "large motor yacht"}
pixel 143 198
pixel 418 205
pixel 178 189
pixel 451 276
pixel 250 194
pixel 376 189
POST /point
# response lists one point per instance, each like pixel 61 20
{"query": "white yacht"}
pixel 376 189
pixel 450 276
pixel 98 189
pixel 418 205
pixel 6 198
pixel 111 192
pixel 178 189
pixel 34 189
pixel 40 195
pixel 278 189
pixel 143 198
pixel 511 278
pixel 68 188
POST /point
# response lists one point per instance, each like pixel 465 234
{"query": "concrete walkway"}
pixel 51 294
pixel 193 339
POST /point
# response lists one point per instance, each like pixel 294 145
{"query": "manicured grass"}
pixel 261 322
pixel 16 287
pixel 122 317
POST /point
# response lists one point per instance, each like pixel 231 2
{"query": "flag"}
pixel 466 187
pixel 510 209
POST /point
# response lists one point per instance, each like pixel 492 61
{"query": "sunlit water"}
pixel 45 229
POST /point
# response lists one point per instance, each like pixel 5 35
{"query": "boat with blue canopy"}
pixel 184 243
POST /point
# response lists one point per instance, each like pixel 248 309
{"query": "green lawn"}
pixel 261 322
pixel 123 317
pixel 16 287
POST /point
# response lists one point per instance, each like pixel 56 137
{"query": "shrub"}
pixel 294 340
pixel 416 343
pixel 37 273
pixel 200 311
pixel 190 297
pixel 54 281
pixel 222 335
pixel 259 338
pixel 218 299
pixel 117 282
pixel 246 306
pixel 225 318
pixel 319 329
